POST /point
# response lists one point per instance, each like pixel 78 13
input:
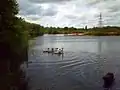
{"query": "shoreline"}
pixel 81 35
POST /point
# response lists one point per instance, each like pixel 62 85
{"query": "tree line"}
pixel 98 31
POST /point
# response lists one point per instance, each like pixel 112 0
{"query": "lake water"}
pixel 86 59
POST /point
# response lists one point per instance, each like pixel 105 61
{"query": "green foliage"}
pixel 104 31
pixel 108 30
pixel 8 10
pixel 12 33
pixel 58 30
pixel 35 30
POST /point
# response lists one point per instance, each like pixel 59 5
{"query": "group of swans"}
pixel 54 51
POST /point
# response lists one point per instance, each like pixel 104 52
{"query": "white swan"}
pixel 54 51
pixel 45 51
pixel 60 51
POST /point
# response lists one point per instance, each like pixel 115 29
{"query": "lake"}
pixel 86 59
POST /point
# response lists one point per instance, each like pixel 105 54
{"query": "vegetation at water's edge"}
pixel 37 30
pixel 104 31
pixel 96 31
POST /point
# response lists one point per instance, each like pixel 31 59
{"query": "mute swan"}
pixel 60 51
pixel 46 50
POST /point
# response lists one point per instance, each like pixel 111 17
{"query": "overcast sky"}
pixel 76 13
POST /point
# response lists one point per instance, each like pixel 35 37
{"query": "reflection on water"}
pixel 85 61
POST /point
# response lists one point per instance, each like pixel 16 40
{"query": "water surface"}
pixel 86 59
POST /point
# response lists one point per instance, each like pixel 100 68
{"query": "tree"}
pixel 13 40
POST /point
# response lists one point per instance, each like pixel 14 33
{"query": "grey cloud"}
pixel 93 2
pixel 24 5
pixel 71 16
pixel 51 11
pixel 77 18
pixel 36 9
pixel 110 10
pixel 115 7
pixel 31 11
pixel 104 5
pixel 33 17
pixel 27 8
pixel 47 1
